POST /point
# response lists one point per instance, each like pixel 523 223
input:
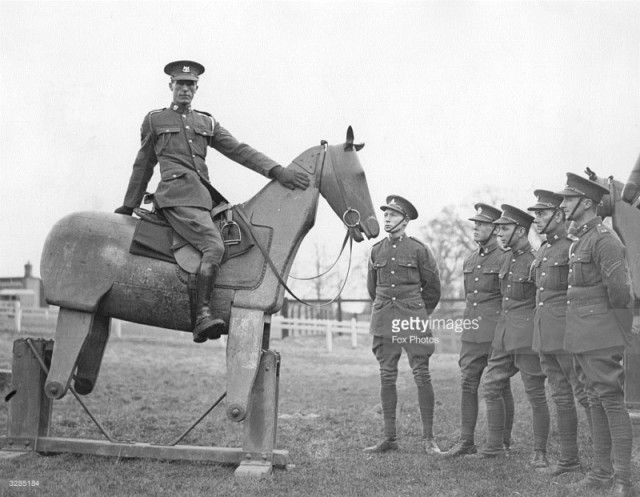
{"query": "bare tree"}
pixel 449 237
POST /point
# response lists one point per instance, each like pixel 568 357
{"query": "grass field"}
pixel 151 390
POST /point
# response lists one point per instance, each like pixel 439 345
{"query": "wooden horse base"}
pixel 30 410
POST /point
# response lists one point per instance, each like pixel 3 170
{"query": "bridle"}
pixel 347 237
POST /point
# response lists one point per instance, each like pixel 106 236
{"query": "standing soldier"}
pixel 599 320
pixel 404 284
pixel 483 307
pixel 513 339
pixel 550 272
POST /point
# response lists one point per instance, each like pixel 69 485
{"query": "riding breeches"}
pixel 195 225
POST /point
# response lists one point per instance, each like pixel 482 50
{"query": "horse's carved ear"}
pixel 349 143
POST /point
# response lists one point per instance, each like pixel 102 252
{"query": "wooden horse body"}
pixel 88 272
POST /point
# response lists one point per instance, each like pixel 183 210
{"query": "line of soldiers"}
pixel 561 314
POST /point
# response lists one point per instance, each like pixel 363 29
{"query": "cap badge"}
pixel 186 69
pixel 393 202
pixel 479 210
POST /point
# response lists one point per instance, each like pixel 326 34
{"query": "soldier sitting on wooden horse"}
pixel 177 137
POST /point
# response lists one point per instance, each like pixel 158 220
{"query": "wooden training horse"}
pixel 88 271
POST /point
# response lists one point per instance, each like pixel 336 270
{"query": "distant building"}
pixel 27 289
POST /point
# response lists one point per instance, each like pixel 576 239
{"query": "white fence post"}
pixel 17 315
pixel 329 337
pixel 354 333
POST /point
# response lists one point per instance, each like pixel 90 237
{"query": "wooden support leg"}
pixel 244 347
pixel 260 426
pixel 71 332
pixel 91 355
pixel 29 408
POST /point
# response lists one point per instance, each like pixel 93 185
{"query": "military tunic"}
pixel 551 272
pixel 404 283
pixel 515 325
pixel 483 300
pixel 599 294
pixel 177 138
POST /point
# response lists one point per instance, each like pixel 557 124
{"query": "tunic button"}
pixel 175 175
pixel 475 291
pixel 541 303
pixel 477 279
pixel 393 246
pixel 510 272
pixel 393 272
pixel 568 301
pixel 393 285
pixel 541 289
pixel 190 141
pixel 506 298
pixel 569 286
pixel 571 270
pixel 479 266
pixel 183 115
pixel 544 258
pixel 187 127
pixel 508 286
pixel 393 258
pixel 513 260
pixel 475 304
pixel 393 298
pixel 543 274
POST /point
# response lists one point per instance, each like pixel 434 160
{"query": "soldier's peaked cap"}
pixel 184 69
pixel 485 213
pixel 546 200
pixel 578 186
pixel 401 206
pixel 513 215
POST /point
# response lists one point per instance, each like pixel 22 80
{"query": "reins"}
pixel 348 237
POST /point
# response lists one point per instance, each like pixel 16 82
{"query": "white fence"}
pixel 448 341
pixel 309 327
pixel 14 317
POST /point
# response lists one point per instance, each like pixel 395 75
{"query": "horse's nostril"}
pixel 372 228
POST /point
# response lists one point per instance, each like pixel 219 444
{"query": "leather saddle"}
pixel 155 238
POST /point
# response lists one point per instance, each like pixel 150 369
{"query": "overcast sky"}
pixel 449 97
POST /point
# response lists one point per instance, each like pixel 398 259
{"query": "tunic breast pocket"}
pixel 522 288
pixel 408 271
pixel 382 272
pixel 164 134
pixel 558 273
pixel 490 281
pixel 582 269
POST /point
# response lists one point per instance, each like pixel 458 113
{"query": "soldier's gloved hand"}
pixel 293 179
pixel 124 210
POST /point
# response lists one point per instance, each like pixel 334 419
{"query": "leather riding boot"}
pixel 567 420
pixel 206 326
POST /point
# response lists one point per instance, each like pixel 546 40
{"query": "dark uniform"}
pixel 550 272
pixel 483 305
pixel 599 320
pixel 404 284
pixel 512 347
